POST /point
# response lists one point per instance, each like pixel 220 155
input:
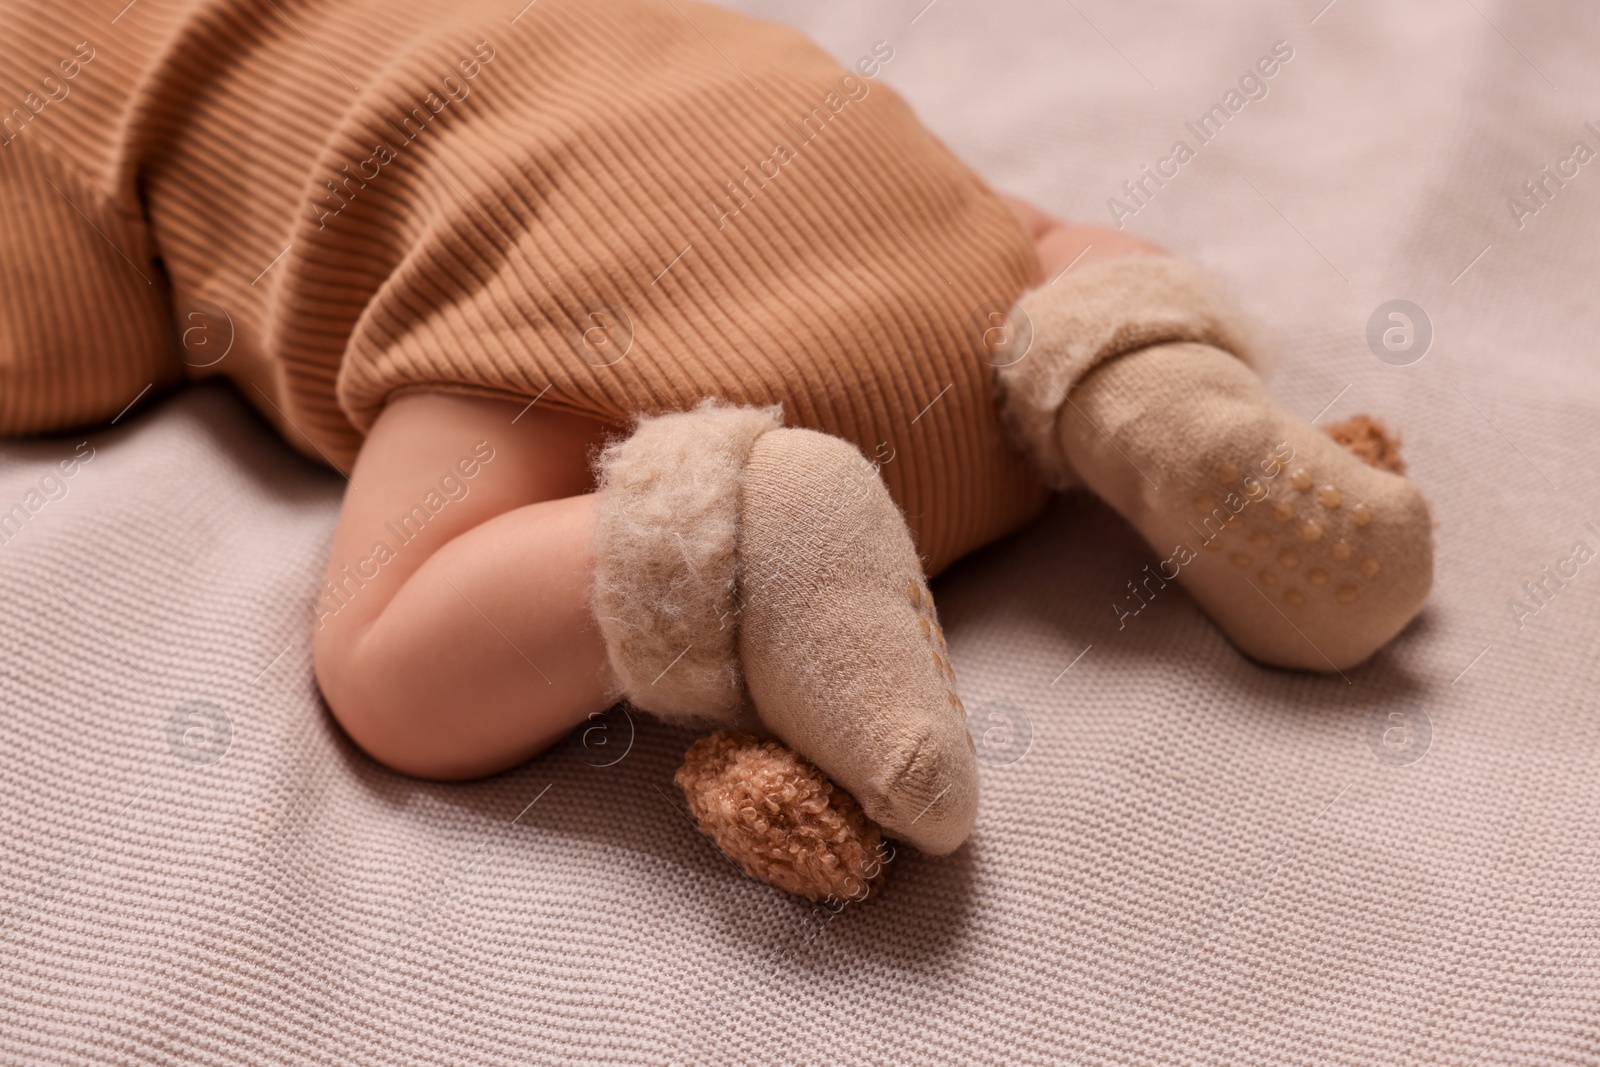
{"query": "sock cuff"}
pixel 1096 313
pixel 666 526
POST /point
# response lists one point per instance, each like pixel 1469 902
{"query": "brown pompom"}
pixel 1369 441
pixel 780 818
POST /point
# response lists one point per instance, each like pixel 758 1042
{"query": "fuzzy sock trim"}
pixel 1096 313
pixel 665 575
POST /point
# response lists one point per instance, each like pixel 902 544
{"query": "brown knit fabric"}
pixel 772 812
pixel 1370 440
pixel 333 202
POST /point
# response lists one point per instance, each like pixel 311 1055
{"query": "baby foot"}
pixel 1304 555
pixel 1139 384
pixel 840 643
pixel 740 562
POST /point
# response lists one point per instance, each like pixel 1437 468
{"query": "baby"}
pixel 666 361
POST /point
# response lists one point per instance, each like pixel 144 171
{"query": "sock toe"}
pixel 1337 558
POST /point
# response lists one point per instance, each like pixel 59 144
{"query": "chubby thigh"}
pixel 452 632
pixel 434 466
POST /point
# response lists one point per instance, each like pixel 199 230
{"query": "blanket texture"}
pixel 1180 857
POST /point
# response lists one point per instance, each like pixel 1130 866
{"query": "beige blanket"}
pixel 1181 858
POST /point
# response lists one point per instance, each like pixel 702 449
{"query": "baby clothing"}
pixel 607 206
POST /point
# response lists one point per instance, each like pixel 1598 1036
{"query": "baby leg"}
pixel 457 634
pixel 743 564
pixel 1138 385
pixel 454 636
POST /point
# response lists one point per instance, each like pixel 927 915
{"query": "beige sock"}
pixel 1303 555
pixel 743 565
pixel 841 646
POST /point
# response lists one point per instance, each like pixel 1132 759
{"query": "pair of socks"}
pixel 759 579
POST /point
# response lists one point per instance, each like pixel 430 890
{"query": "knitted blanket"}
pixel 1180 858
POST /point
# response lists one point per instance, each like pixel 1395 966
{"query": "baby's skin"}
pixel 474 646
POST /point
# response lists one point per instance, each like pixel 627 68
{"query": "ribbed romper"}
pixel 616 206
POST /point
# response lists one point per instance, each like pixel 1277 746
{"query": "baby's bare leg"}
pixel 465 644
